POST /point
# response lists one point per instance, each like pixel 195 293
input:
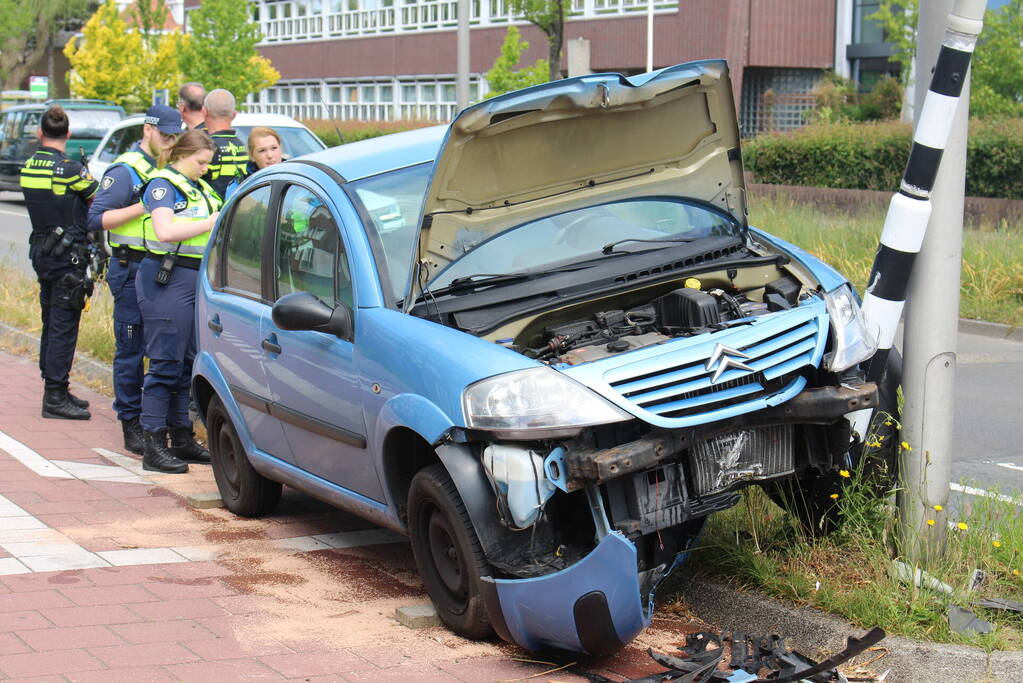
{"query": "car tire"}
pixel 448 552
pixel 809 496
pixel 244 491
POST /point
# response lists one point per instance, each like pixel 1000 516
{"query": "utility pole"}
pixel 462 79
pixel 650 35
pixel 932 304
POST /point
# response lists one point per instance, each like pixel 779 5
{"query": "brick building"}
pixel 395 59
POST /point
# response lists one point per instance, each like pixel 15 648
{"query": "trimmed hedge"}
pixel 353 131
pixel 872 156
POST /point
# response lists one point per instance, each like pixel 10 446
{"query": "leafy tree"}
pixel 898 19
pixel 503 77
pixel 997 86
pixel 549 17
pixel 31 29
pixel 222 50
pixel 119 63
pixel 150 17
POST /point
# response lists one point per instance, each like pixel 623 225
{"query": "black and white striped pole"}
pixel 929 203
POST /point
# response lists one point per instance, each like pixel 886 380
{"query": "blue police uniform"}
pixel 56 191
pixel 229 162
pixel 168 312
pixel 121 187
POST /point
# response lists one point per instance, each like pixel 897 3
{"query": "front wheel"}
pixel 244 491
pixel 448 552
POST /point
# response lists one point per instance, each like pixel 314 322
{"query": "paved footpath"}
pixel 107 574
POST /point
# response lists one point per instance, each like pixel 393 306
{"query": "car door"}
pixel 233 315
pixel 312 375
pixel 9 166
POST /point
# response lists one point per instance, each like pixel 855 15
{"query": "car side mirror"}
pixel 303 311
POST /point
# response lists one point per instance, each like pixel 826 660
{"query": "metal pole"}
pixel 650 35
pixel 932 310
pixel 462 79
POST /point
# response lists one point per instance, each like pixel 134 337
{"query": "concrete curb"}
pixel 85 366
pixel 994 330
pixel 817 634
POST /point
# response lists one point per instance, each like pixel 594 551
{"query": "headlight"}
pixel 852 339
pixel 535 403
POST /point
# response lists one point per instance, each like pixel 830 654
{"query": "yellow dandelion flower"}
pixel 1015 572
pixel 906 446
pixel 997 544
pixel 962 526
pixel 844 473
pixel 930 522
pixel 834 496
pixel 938 508
pixel 888 423
pixel 874 444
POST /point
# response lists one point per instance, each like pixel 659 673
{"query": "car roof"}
pixel 385 153
pixel 66 104
pixel 240 119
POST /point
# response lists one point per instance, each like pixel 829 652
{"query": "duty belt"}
pixel 127 254
pixel 183 261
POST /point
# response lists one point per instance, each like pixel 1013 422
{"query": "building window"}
pixel 776 99
pixel 866 30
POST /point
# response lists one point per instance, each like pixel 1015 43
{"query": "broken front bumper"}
pixel 592 607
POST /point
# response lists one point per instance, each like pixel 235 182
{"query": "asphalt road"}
pixel 988 439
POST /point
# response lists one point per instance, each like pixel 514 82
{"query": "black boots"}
pixel 57 404
pixel 158 458
pixel 134 440
pixel 80 402
pixel 185 447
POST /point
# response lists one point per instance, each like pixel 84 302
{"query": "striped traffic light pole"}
pixel 910 209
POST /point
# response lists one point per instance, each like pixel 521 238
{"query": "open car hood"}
pixel 571 143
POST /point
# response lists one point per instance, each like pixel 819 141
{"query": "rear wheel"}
pixel 810 496
pixel 244 491
pixel 448 552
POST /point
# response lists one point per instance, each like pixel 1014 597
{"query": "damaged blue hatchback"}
pixel 543 342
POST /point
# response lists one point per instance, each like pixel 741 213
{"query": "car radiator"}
pixel 742 455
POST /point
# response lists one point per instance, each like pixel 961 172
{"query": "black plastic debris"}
pixel 751 656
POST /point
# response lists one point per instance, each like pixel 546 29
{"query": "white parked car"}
pixel 296 139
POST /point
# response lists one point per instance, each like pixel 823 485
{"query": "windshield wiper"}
pixel 469 283
pixel 608 248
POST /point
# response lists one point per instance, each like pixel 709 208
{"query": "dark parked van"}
pixel 90 120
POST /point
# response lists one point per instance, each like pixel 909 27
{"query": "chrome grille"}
pixel 743 455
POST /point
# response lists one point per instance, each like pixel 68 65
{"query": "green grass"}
pixel 992 279
pixel 759 546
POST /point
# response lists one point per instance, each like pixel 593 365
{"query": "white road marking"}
pixel 1011 466
pixel 14 213
pixel 969 490
pixel 37 547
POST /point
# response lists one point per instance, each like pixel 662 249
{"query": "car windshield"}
pixel 294 141
pixel 392 201
pixel 91 123
pixel 590 233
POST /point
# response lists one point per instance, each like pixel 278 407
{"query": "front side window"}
pixel 392 202
pixel 310 257
pixel 245 232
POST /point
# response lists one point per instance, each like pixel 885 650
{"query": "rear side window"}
pixel 244 252
pixel 120 142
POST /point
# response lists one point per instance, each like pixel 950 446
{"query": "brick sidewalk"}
pixel 106 574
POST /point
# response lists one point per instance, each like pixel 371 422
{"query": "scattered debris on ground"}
pixel 753 659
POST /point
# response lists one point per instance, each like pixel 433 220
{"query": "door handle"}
pixel 214 324
pixel 271 345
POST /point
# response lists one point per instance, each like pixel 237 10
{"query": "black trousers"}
pixel 60 317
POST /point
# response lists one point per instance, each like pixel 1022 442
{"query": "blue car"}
pixel 543 342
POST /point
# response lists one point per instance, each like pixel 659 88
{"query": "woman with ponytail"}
pixel 181 210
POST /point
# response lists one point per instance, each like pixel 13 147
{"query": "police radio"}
pixel 166 266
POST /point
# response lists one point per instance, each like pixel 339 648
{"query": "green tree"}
pixel 997 85
pixel 116 62
pixel 222 50
pixel 503 76
pixel 898 20
pixel 549 17
pixel 150 18
pixel 30 30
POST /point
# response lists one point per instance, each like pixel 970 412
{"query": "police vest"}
pixel 232 160
pixel 130 234
pixel 198 205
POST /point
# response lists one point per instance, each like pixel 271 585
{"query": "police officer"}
pixel 118 209
pixel 190 101
pixel 57 191
pixel 182 209
pixel 230 162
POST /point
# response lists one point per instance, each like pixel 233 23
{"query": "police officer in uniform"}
pixel 231 160
pixel 117 208
pixel 57 191
pixel 182 210
pixel 190 101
